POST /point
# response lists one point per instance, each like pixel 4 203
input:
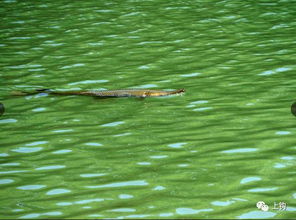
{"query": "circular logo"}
pixel 293 108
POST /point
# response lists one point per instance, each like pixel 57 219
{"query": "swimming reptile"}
pixel 142 93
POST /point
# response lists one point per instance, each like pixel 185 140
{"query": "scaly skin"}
pixel 142 93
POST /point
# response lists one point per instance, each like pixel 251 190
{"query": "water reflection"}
pixel 122 210
pixel 283 132
pixel 31 187
pixel 121 184
pixel 52 167
pixel 57 191
pixel 263 189
pixel 9 120
pixel 159 156
pixel 144 163
pixel 38 109
pixel 88 82
pixel 186 150
pixel 6 181
pixel 177 145
pixel 277 70
pixel 190 211
pixel 94 144
pixel 222 203
pixel 63 151
pixel 89 175
pixel 190 75
pixel 250 179
pixel 240 150
pixel 159 188
pixel 125 196
pixel 37 215
pixel 256 215
pixel 113 124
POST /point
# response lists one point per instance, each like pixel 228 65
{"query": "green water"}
pixel 214 152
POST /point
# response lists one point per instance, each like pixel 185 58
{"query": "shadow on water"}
pixel 2 109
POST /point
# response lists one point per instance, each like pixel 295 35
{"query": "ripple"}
pixel 121 184
pixel 6 181
pixel 263 189
pixel 221 203
pixel 88 82
pixel 33 215
pixel 158 188
pixel 113 124
pixel 95 215
pixel 183 165
pixel 36 215
pixel 287 158
pixel 13 171
pixel 54 213
pixel 137 216
pixel 291 209
pixel 17 210
pixel 144 67
pixel 144 163
pixel 189 211
pixel 88 175
pixel 199 102
pixel 53 167
pixel 93 144
pixel 31 187
pixel 250 179
pixel 159 156
pixel 37 69
pixel 86 201
pixel 279 165
pixel 176 145
pixel 147 86
pixel 38 109
pixel 37 143
pixel 122 210
pixel 27 149
pixel 62 130
pixel 257 214
pixel 166 214
pixel 4 155
pixel 73 65
pixel 282 132
pixel 240 150
pixel 201 109
pixel 10 164
pixel 190 75
pixel 57 191
pixel 9 120
pixel 64 203
pixel 125 196
pixel 64 151
pixel 239 199
pixel 123 134
pixel 271 72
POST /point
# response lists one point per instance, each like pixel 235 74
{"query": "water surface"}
pixel 214 152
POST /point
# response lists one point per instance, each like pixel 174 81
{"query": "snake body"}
pixel 142 93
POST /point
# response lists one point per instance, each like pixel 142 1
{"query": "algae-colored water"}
pixel 214 152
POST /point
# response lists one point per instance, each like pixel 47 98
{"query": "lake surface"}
pixel 214 152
